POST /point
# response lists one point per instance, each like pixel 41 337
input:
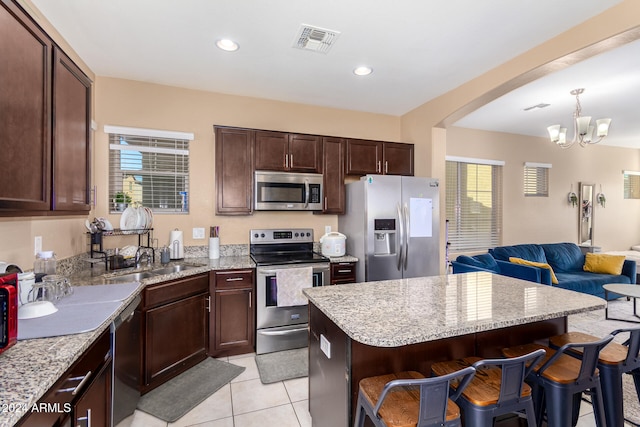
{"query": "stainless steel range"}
pixel 286 263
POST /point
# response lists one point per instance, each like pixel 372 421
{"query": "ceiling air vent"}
pixel 315 39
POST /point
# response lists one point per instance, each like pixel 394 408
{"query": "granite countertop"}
pixel 32 366
pixel 395 313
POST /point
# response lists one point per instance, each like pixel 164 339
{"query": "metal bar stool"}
pixel 614 360
pixel 409 399
pixel 498 388
pixel 561 379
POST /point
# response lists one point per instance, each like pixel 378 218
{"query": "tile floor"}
pixel 245 402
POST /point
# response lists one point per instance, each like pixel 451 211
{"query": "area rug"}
pixel 595 324
pixel 176 397
pixel 283 365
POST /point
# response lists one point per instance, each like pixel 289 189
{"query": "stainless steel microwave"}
pixel 287 191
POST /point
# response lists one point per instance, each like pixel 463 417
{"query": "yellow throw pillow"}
pixel 515 260
pixel 603 263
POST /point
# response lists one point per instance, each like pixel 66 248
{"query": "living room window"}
pixel 149 167
pixel 536 179
pixel 473 203
pixel 631 184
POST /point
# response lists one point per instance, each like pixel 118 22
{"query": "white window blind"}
pixel 536 179
pixel 473 204
pixel 151 170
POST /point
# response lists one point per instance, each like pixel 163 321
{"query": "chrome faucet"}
pixel 140 253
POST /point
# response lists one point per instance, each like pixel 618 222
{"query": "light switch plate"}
pixel 198 233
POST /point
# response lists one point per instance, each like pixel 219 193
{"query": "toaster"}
pixel 8 311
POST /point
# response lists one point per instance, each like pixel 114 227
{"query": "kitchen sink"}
pixel 140 275
pixel 130 277
pixel 170 269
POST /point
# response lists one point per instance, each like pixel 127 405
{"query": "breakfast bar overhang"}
pixel 374 328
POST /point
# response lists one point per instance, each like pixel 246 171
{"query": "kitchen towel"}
pixel 291 282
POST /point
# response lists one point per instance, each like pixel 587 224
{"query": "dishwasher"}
pixel 126 351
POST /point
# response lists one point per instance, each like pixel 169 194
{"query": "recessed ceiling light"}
pixel 228 45
pixel 363 71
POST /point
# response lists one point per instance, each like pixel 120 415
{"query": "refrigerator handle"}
pixel 400 237
pixel 406 237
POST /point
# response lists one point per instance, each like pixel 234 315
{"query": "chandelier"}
pixel 583 131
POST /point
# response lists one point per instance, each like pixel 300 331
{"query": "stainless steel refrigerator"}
pixel 392 226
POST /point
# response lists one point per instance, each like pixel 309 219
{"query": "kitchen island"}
pixel 374 328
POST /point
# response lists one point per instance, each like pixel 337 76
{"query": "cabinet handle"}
pixel 76 389
pixel 234 279
pixel 209 304
pixel 344 271
pixel 379 167
pixel 386 166
pixel 286 161
pixel 250 298
pixel 87 418
pixel 325 203
pixel 291 161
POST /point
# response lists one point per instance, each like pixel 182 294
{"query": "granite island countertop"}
pixel 31 367
pixel 395 313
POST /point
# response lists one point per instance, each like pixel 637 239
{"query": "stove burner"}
pixel 283 246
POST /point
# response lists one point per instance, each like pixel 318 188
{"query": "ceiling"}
pixel 418 49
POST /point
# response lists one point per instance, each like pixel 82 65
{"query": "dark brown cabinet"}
pixel 233 314
pixel 45 121
pixel 175 328
pixel 333 176
pixel 25 121
pixel 71 150
pixel 376 157
pixel 84 390
pixel 288 152
pixel 397 158
pixel 343 272
pixel 234 170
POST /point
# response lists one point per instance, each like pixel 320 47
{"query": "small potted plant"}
pixel 121 201
pixel 573 198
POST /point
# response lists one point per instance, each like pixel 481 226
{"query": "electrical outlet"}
pixel 327 229
pixel 37 245
pixel 325 346
pixel 198 233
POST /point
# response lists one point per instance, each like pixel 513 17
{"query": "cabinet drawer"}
pixel 72 384
pixel 175 290
pixel 343 272
pixel 231 279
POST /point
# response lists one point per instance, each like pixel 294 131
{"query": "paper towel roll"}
pixel 214 247
pixel 176 244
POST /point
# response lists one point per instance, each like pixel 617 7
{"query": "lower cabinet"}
pixel 343 272
pixel 232 318
pixel 82 395
pixel 175 327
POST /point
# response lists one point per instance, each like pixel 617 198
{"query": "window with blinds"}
pixel 473 204
pixel 151 170
pixel 536 179
pixel 631 185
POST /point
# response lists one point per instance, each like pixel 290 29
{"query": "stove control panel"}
pixel 291 235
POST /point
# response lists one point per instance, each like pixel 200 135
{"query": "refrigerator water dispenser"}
pixel 384 236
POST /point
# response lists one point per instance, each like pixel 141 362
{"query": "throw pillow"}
pixel 554 279
pixel 603 263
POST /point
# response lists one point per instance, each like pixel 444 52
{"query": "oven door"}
pixel 268 314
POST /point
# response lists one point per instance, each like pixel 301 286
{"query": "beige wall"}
pixel 553 219
pixel 126 103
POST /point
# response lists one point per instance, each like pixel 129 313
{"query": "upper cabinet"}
pixel 234 170
pixel 376 157
pixel 333 176
pixel 45 121
pixel 25 121
pixel 288 152
pixel 71 150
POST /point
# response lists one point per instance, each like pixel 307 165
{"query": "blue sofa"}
pixel 567 261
